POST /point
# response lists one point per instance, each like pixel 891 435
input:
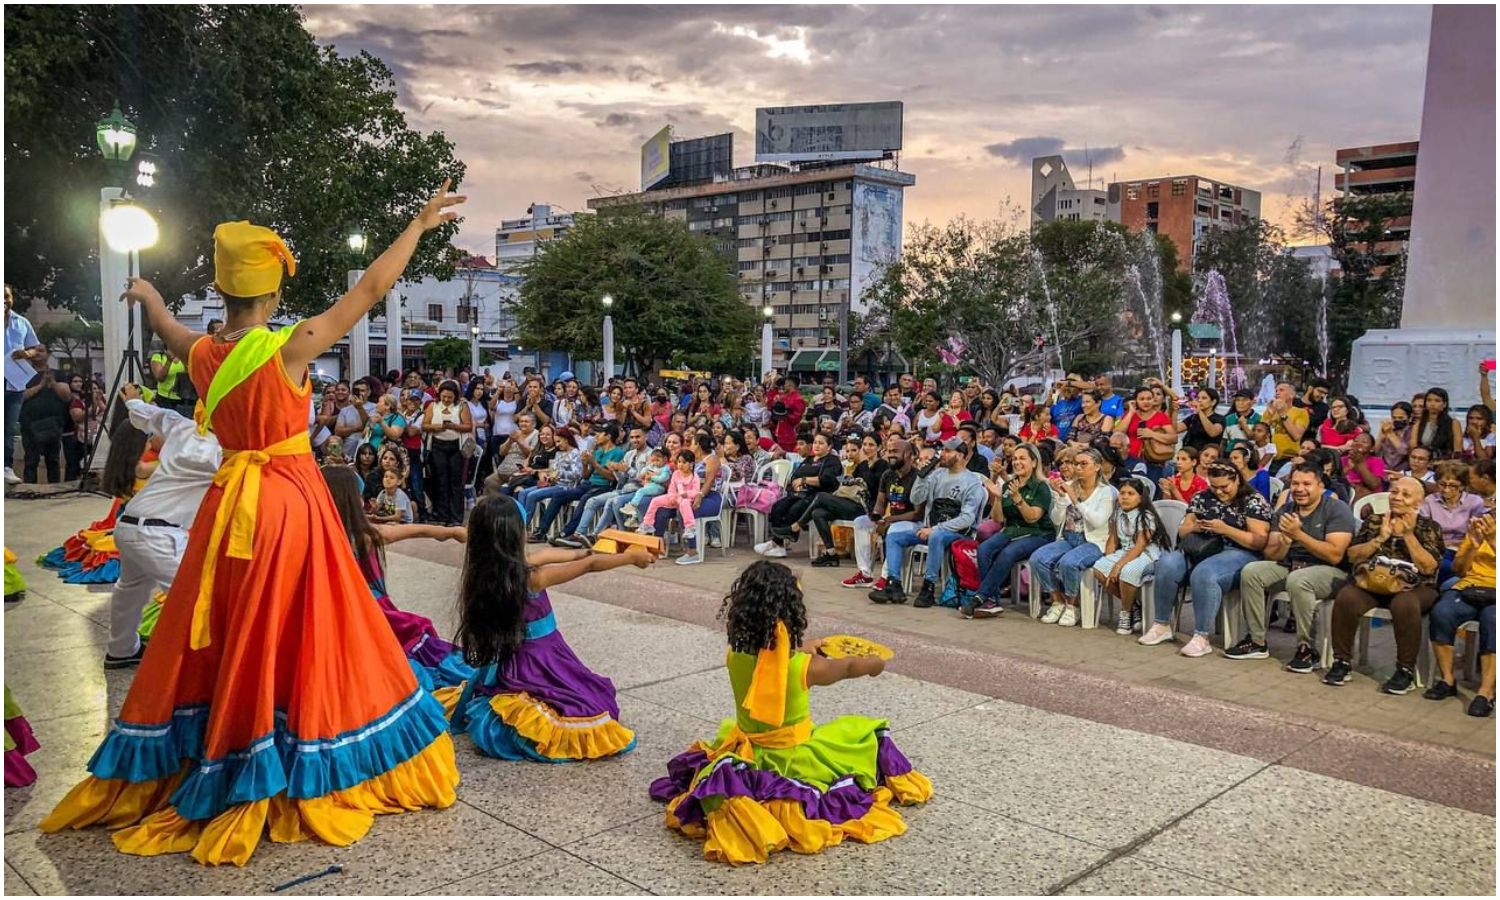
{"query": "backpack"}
pixel 963 573
pixel 759 497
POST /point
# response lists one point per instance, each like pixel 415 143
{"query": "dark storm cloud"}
pixel 533 95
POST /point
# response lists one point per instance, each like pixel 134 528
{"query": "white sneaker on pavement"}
pixel 775 552
pixel 11 477
pixel 1069 617
pixel 1053 613
pixel 1156 634
pixel 762 547
pixel 1198 646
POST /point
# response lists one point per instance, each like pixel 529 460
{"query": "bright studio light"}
pixel 128 228
pixel 767 311
pixel 607 300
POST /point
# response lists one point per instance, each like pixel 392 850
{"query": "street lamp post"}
pixel 116 138
pixel 609 338
pixel 473 350
pixel 359 335
pixel 765 342
pixel 1177 354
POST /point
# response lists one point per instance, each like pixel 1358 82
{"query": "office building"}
pixel 1054 196
pixel 803 240
pixel 1182 207
pixel 1378 170
pixel 517 240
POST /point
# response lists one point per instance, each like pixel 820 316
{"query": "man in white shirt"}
pixel 152 529
pixel 22 351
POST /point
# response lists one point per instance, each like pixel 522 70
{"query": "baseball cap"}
pixel 954 443
pixel 566 376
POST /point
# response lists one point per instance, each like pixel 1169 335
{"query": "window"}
pixel 749 266
pixel 435 312
pixel 1153 210
pixel 1179 187
pixel 779 216
pixel 1153 189
pixel 1151 227
pixel 1133 192
pixel 776 193
pixel 805 189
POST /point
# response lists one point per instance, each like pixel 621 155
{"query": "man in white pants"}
pixel 892 505
pixel 152 530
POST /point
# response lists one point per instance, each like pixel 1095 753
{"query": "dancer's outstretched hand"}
pixel 434 214
pixel 640 557
pixel 139 290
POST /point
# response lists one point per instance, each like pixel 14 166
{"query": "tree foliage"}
pixel 71 338
pixel 1368 291
pixel 451 353
pixel 248 118
pixel 675 300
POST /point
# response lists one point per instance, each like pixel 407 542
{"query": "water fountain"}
pixel 1323 331
pixel 1144 274
pixel 1040 263
pixel 1214 309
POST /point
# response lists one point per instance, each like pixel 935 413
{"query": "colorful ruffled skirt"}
pixel 436 662
pixel 15 583
pixel 542 704
pixel 746 802
pixel 19 741
pixel 90 556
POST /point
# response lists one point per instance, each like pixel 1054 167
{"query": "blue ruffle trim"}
pixel 277 762
pixel 495 738
pixel 73 572
pixel 452 671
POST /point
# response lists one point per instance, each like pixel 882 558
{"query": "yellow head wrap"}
pixel 248 259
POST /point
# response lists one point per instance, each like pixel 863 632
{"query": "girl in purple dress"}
pixel 531 698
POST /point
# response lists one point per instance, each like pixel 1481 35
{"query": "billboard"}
pixel 698 160
pixel 875 236
pixel 829 131
pixel 656 159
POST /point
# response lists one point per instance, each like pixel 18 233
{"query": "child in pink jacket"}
pixel 682 492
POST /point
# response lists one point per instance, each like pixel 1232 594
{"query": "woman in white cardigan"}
pixel 1086 504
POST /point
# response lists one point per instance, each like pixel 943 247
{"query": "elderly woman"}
pixel 1405 535
pixel 1471 598
pixel 1226 529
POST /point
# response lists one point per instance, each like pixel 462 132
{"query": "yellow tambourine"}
pixel 839 646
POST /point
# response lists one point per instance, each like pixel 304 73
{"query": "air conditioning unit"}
pixel 771 273
pixel 830 195
pixel 799 270
pixel 825 268
pixel 822 314
pixel 773 204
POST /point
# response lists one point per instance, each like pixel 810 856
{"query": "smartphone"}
pixel 1488 365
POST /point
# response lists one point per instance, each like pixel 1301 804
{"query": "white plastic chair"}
pixel 815 540
pixel 700 529
pixel 1092 602
pixel 1378 503
pixel 1171 513
pixel 1424 664
pixel 1276 487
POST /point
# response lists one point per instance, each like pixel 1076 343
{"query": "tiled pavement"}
pixel 1070 776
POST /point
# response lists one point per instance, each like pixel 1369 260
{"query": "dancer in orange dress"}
pixel 273 695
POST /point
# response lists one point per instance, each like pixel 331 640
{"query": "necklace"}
pixel 229 337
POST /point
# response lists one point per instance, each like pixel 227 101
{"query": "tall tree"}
pixel 674 298
pixel 248 118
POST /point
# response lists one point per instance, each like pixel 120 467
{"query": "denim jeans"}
pixel 1451 612
pixel 1059 566
pixel 999 554
pixel 1208 582
pixel 534 498
pixel 898 538
pixel 595 514
pixel 585 496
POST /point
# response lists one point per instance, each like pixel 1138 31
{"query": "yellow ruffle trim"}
pixel 448 696
pixel 741 830
pixel 429 779
pixel 561 737
pixel 913 787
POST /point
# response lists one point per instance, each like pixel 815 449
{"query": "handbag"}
pixel 1197 546
pixel 1478 595
pixel 759 497
pixel 468 446
pixel 1386 576
pixel 853 489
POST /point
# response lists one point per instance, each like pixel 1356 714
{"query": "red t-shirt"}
pixel 1157 422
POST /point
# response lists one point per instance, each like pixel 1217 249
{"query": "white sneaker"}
pixel 689 559
pixel 627 510
pixel 763 546
pixel 1053 613
pixel 11 477
pixel 1122 624
pixel 1198 646
pixel 1156 634
pixel 1069 617
pixel 775 552
pixel 645 528
pixel 714 543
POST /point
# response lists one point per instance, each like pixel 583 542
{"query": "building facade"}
pixel 1182 207
pixel 1054 196
pixel 517 240
pixel 802 241
pixel 1376 170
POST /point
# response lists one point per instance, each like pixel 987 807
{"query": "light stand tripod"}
pixel 129 369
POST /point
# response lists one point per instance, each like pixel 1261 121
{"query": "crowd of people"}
pixel 1074 479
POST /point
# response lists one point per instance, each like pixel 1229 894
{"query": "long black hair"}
pixel 1442 435
pixel 126 444
pixel 1147 517
pixel 343 487
pixel 766 592
pixel 492 595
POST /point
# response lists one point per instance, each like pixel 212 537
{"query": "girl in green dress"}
pixel 770 779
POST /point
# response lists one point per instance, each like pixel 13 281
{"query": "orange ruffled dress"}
pixel 276 698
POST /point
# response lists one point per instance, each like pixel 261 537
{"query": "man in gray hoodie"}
pixel 954 497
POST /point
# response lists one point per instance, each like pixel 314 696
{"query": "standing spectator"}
pixel 954 498
pixel 1202 425
pixel 787 407
pixel 1471 597
pixel 1240 420
pixel 1112 404
pixel 1226 528
pixel 1314 401
pixel 1039 426
pixel 86 410
pixel 534 401
pixel 1401 534
pixel 868 399
pixel 477 396
pixel 1341 425
pixel 44 422
pixel 23 353
pixel 1021 506
pixel 1066 404
pixel 1287 421
pixel 1152 434
pixel 827 407
pixel 1392 442
pixel 1434 428
pixel 1085 504
pixel 1304 553
pixel 445 423
pixel 927 421
pixel 1091 423
pixel 349 422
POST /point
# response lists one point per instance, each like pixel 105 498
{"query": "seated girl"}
pixel 1137 539
pixel 771 779
pixel 531 698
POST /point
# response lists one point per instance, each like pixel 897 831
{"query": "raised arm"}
pixel 319 333
pixel 550 575
pixel 176 336
pixel 390 534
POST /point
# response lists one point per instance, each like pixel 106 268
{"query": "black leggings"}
pixel 784 513
pixel 446 491
pixel 827 509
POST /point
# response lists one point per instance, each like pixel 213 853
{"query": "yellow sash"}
pixel 743 743
pixel 251 352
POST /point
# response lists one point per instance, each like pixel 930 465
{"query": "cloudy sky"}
pixel 551 103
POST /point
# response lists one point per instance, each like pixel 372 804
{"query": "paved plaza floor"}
pixel 1063 761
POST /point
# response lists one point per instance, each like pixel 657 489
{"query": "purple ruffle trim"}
pixel 18 772
pixel 731 777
